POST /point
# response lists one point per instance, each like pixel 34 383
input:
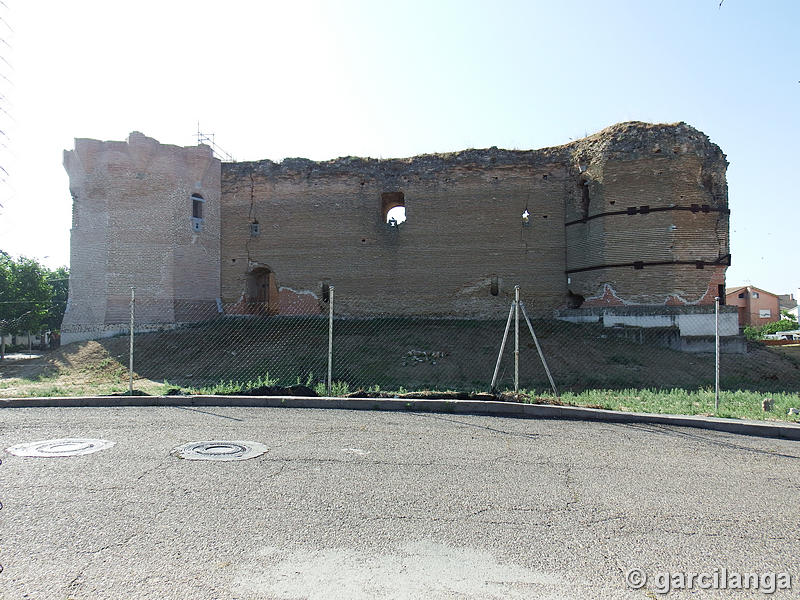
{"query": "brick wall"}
pixel 291 228
pixel 322 221
pixel 464 226
pixel 132 228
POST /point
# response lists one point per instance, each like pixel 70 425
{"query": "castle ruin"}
pixel 635 215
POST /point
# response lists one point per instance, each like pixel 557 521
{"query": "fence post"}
pixel 130 353
pixel 330 340
pixel 716 354
pixel 516 339
pixel 539 349
pixel 502 349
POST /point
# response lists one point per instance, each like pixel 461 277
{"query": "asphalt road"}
pixel 349 504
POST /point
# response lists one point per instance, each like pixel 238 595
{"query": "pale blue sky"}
pixel 385 79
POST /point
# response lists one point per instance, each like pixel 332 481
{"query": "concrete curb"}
pixel 472 407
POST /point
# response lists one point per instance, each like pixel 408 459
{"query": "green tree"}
pixel 31 294
pixel 59 282
pixel 758 332
pixel 32 297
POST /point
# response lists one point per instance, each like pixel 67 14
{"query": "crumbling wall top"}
pixel 632 139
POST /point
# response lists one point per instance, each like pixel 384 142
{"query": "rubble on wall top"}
pixel 629 139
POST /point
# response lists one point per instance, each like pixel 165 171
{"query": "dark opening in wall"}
pixel 721 293
pixel 494 287
pixel 326 292
pixel 583 184
pixel 257 288
pixel 197 206
pixel 255 228
pixel 574 300
pixel 197 212
pixel 393 208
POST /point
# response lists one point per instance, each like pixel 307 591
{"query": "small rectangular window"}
pixel 494 287
pixel 764 313
pixel 755 294
pixel 197 206
pixel 741 295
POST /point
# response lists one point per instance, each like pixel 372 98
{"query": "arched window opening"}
pixel 396 216
pixel 393 208
pixel 261 292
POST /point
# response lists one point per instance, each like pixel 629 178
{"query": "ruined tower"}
pixel 145 215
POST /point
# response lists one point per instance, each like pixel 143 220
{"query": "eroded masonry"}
pixel 635 215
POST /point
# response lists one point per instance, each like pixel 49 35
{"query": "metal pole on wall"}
pixel 130 352
pixel 330 340
pixel 516 339
pixel 716 354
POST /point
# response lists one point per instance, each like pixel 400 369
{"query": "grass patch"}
pixel 338 389
pixel 737 404
pixel 230 387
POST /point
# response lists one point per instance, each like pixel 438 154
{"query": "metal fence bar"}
pixel 502 347
pixel 516 339
pixel 330 340
pixel 539 350
pixel 130 353
pixel 204 347
pixel 716 357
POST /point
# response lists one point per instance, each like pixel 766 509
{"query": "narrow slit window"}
pixel 494 287
pixel 585 198
pixel 197 206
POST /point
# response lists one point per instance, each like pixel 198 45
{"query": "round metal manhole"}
pixel 219 450
pixel 61 447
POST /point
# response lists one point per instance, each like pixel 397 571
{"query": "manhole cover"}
pixel 62 447
pixel 219 450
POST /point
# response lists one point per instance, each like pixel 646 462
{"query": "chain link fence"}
pixel 240 348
